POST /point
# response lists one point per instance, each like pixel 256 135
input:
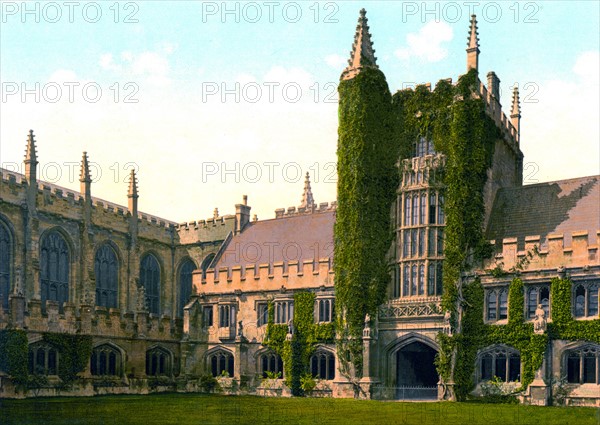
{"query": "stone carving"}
pixel 367 328
pixel 240 331
pixel 447 325
pixel 290 333
pixel 141 298
pixel 539 322
pixel 18 288
pixel 86 297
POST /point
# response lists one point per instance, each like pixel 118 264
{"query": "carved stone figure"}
pixel 447 325
pixel 539 322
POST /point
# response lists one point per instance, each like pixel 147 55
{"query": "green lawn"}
pixel 214 409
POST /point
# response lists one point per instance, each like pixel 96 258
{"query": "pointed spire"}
pixel 515 115
pixel 308 200
pixel 85 179
pixel 362 54
pixel 133 189
pixel 84 174
pixel 31 153
pixel 473 46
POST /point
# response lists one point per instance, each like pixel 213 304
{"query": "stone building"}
pixel 166 303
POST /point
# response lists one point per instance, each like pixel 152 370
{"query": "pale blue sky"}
pixel 179 50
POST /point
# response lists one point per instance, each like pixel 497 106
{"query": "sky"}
pixel 210 101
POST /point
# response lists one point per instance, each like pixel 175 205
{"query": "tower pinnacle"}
pixel 308 201
pixel 84 177
pixel 133 190
pixel 31 161
pixel 515 115
pixel 473 46
pixel 362 54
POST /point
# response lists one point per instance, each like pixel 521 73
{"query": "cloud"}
pixel 587 66
pixel 153 66
pixel 426 44
pixel 336 61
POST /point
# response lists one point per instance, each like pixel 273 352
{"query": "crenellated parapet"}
pixel 549 252
pixel 95 321
pixel 265 277
pixel 296 211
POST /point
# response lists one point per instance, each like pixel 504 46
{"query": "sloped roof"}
pixel 300 237
pixel 563 206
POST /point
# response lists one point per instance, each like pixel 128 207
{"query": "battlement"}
pixel 494 110
pixel 53 194
pixel 89 320
pixel 205 224
pixel 266 277
pixel 552 252
pixel 296 211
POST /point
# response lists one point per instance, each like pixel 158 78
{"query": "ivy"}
pixel 74 354
pixel 13 355
pixel 307 334
pixel 367 183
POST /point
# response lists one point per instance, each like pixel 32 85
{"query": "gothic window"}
pixel 106 269
pixel 413 246
pixel 586 299
pixel 158 362
pixel 322 365
pixel 262 314
pixel 5 261
pixel 185 283
pixel 441 217
pixel 440 242
pixel 283 311
pixel 497 304
pixel 583 365
pixel 407 203
pixel 535 296
pixel 413 280
pixel 406 281
pixel 431 243
pixel 272 363
pixel 431 279
pixel 422 215
pixel 226 316
pixel 106 361
pixel 43 359
pixel 421 242
pixel 54 272
pixel 207 316
pixel 406 249
pixel 326 310
pixel 502 362
pixel 150 280
pixel 432 209
pixel 439 279
pixel 421 279
pixel 396 281
pixel 415 210
pixel 221 363
pixel 491 305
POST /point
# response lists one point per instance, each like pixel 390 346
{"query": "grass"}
pixel 216 409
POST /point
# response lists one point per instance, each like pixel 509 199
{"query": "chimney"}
pixel 242 215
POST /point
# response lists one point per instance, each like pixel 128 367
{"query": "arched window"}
pixel 502 362
pixel 586 299
pixel 5 261
pixel 413 280
pixel 106 268
pixel 54 271
pixel 325 308
pixel 423 210
pixel 158 362
pixel 532 302
pixel 322 365
pixel 415 210
pixel 503 305
pixel 491 305
pixel 406 281
pixel 220 363
pixel 150 280
pixel 43 359
pixel 185 283
pixel 106 361
pixel 583 365
pixel 272 363
pixel 432 209
pixel 407 203
pixel 421 279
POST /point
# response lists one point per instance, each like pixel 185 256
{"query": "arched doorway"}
pixel 416 375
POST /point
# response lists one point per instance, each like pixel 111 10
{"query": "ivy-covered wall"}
pixel 367 183
pixel 296 352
